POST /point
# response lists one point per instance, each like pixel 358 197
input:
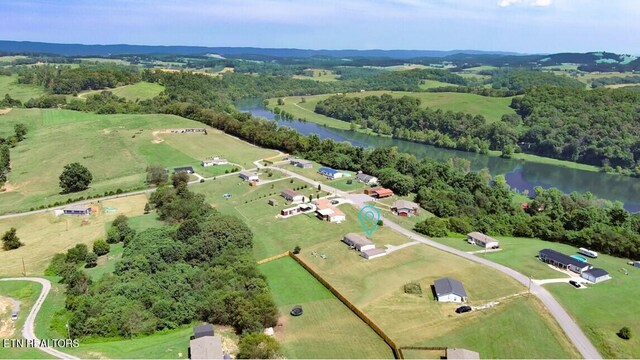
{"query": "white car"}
pixel 14 316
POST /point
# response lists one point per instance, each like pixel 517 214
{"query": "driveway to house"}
pixel 28 331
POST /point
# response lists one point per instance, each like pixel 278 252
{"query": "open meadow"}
pixel 327 329
pixel 115 148
pixel 321 75
pixel 138 91
pixel 23 92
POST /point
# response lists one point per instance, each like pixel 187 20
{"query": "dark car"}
pixel 575 283
pixel 296 311
pixel 463 309
pixel 335 202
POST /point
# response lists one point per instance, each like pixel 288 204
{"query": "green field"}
pixel 138 91
pixel 321 75
pixel 115 148
pixel 429 84
pixel 327 329
pixel 104 60
pixel 26 292
pixel 23 92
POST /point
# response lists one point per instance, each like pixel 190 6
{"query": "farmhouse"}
pixel 462 354
pixel 187 169
pixel 482 240
pixel 596 275
pixel 330 173
pixel 367 179
pixel 358 242
pixel 373 253
pixel 77 210
pixel 249 176
pixel 405 208
pixel 450 290
pixel 215 161
pixel 305 164
pixel 292 195
pixel 204 344
pixel 328 212
pixel 382 193
pixel 563 261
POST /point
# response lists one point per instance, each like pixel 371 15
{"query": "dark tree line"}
pixel 68 80
pixel 520 80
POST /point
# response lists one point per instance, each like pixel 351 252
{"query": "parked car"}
pixel 296 311
pixel 335 202
pixel 463 309
pixel 575 284
pixel 14 316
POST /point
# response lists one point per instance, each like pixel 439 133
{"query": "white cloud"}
pixel 536 3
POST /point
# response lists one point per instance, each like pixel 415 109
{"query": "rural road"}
pixel 569 326
pixel 28 331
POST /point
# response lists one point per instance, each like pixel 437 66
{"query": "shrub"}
pixel 92 260
pixel 10 240
pixel 296 250
pixel 625 333
pixel 101 247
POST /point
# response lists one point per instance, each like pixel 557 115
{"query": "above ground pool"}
pixel 581 258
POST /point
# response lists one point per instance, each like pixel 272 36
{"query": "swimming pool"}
pixel 581 258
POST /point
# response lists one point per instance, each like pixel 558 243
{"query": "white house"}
pixel 595 275
pixel 215 161
pixel 482 240
pixel 330 173
pixel 292 195
pixel 373 253
pixel 249 176
pixel 367 179
pixel 359 242
pixel 450 290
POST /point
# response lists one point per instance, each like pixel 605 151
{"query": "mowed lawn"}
pixel 139 91
pixel 492 108
pixel 327 329
pixel 115 148
pixel 23 92
pixel 45 235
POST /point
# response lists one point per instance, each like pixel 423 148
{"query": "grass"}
pixel 45 235
pixel 490 107
pixel 23 92
pixel 115 148
pixel 138 91
pixel 104 60
pixel 106 263
pixel 327 329
pixel 550 161
pixel 321 75
pixel 429 84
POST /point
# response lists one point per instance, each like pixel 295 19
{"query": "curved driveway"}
pixel 573 331
pixel 28 331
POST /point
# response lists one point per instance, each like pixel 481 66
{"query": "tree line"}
pixel 61 79
pixel 6 143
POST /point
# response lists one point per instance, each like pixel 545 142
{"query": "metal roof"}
pixel 447 285
pixel 596 272
pixel 77 207
pixel 290 193
pixel 364 177
pixel 206 347
pixel 203 330
pixel 357 239
pixel 327 170
pixel 562 258
pixel 482 237
pixel 376 251
pixel 404 204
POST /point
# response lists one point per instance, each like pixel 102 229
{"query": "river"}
pixel 520 175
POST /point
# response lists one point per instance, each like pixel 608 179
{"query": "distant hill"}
pixel 124 49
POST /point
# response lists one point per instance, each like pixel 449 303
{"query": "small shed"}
pixel 595 275
pixel 249 176
pixel 273 202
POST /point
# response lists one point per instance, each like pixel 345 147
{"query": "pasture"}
pixel 327 329
pixel 23 92
pixel 429 84
pixel 138 91
pixel 45 235
pixel 115 148
pixel 321 75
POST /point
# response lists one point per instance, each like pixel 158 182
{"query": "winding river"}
pixel 520 175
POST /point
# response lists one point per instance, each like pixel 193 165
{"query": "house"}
pixel 450 290
pixel 205 344
pixel 249 176
pixel 292 195
pixel 328 212
pixel 367 179
pixel 405 208
pixel 382 193
pixel 330 173
pixel 305 164
pixel 482 240
pixel 77 210
pixel 563 261
pixel 373 253
pixel 462 354
pixel 290 211
pixel 371 190
pixel 595 275
pixel 187 169
pixel 215 161
pixel 358 242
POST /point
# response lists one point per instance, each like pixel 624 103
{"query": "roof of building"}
pixel 77 207
pixel 404 204
pixel 383 191
pixel 325 211
pixel 562 258
pixel 203 330
pixel 301 161
pixel 447 285
pixel 357 239
pixel 365 177
pixel 462 354
pixel 376 251
pixel 596 272
pixel 290 193
pixel 183 168
pixel 248 173
pixel 327 170
pixel 206 347
pixel 480 236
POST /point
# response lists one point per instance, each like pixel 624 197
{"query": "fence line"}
pixel 438 348
pixel 276 257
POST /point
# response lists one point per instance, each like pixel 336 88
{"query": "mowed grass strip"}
pixel 327 329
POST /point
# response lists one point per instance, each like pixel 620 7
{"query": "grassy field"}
pixel 105 60
pixel 45 235
pixel 327 329
pixel 23 92
pixel 490 107
pixel 115 148
pixel 321 75
pixel 138 91
pixel 429 84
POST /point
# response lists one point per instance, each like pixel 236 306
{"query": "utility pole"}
pixel 24 269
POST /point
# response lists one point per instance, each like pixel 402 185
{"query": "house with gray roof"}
pixel 449 290
pixel 595 275
pixel 358 242
pixel 562 261
pixel 405 208
pixel 205 344
pixel 367 179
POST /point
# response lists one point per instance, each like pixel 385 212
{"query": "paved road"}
pixel 28 331
pixel 573 331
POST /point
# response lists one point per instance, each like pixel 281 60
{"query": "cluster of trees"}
pixel 597 127
pixel 68 80
pixel 615 80
pixel 520 80
pixel 10 240
pixel 20 131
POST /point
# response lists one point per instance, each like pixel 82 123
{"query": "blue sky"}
pixel 532 26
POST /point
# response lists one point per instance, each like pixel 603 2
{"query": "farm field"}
pixel 23 92
pixel 115 148
pixel 45 235
pixel 489 107
pixel 429 84
pixel 138 91
pixel 321 75
pixel 327 329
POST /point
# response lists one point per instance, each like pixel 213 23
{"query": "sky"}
pixel 527 26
